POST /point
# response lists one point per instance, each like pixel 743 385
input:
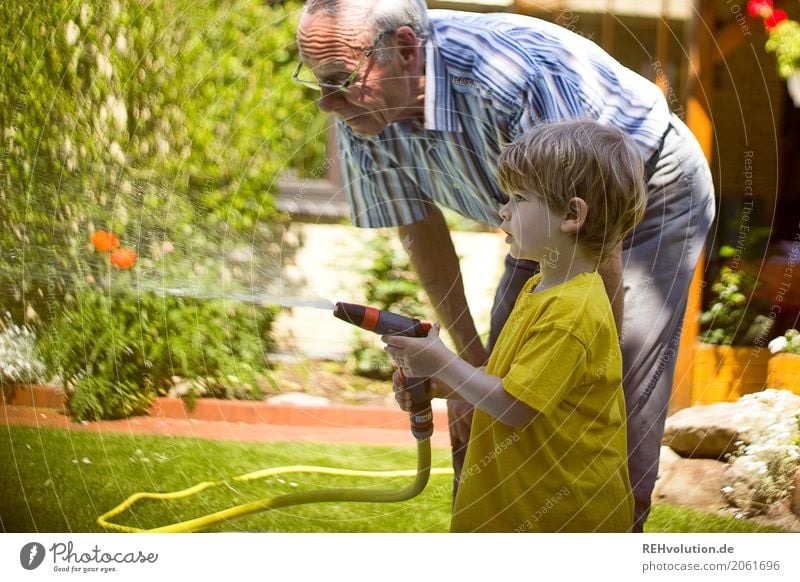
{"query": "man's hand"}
pixel 401 393
pixel 438 388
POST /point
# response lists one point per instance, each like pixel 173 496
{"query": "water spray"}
pixel 368 318
pixel 263 299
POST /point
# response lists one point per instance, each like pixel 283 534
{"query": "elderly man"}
pixel 425 101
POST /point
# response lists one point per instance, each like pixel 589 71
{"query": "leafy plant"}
pixel 120 344
pixel 732 317
pixel 117 352
pixel 391 285
pixel 784 35
pixel 784 41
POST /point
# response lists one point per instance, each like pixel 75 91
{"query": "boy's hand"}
pixel 419 357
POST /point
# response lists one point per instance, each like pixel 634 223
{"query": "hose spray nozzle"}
pixel 387 323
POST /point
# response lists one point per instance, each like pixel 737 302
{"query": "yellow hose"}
pixel 422 473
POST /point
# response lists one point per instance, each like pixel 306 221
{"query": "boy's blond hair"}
pixel 584 159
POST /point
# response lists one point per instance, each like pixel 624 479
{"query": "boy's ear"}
pixel 575 216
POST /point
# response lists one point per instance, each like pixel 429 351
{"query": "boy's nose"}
pixel 504 211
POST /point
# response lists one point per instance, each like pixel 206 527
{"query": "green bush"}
pixel 155 121
pixel 167 123
pixel 116 352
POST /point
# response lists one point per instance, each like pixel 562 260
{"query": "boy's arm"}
pixel 429 357
pixel 485 392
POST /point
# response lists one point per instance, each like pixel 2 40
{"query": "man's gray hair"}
pixel 378 15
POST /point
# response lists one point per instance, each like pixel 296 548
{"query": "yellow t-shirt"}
pixel 567 469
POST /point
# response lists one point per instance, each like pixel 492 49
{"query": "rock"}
pixel 299 399
pixel 666 459
pixel 182 387
pixel 695 483
pixel 704 432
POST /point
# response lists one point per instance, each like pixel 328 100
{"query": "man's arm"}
pixel 611 273
pixel 433 258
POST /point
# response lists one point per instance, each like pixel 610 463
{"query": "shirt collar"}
pixel 440 110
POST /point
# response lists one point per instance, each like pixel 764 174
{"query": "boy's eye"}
pixel 518 197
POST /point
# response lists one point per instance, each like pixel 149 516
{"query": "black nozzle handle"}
pixel 421 414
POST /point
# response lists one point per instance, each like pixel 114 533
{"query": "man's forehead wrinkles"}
pixel 330 52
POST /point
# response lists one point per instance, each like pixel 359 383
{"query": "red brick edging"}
pixel 332 416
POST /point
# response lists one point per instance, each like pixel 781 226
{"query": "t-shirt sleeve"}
pixel 379 190
pixel 550 363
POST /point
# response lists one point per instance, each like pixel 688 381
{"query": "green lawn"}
pixel 46 485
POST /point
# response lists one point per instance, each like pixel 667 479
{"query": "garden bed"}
pixel 352 401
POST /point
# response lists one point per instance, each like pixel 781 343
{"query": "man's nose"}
pixel 331 99
pixel 504 211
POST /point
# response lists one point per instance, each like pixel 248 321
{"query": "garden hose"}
pixel 422 473
pixel 421 417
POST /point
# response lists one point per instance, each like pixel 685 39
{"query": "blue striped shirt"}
pixel 488 78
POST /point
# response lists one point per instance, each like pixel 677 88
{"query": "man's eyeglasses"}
pixel 318 85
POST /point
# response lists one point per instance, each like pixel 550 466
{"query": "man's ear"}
pixel 575 216
pixel 408 48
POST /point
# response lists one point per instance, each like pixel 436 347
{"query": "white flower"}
pixel 763 471
pixel 777 345
pixel 71 33
pixel 18 361
pixel 116 153
pixel 104 66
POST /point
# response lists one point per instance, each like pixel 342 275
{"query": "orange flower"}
pixel 104 241
pixel 123 258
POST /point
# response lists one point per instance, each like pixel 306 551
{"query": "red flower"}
pixel 104 241
pixel 758 8
pixel 123 258
pixel 775 18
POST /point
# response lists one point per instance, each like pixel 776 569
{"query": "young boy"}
pixel 547 451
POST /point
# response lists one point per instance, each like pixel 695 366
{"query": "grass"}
pixel 674 519
pixel 47 485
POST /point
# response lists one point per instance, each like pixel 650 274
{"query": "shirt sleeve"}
pixel 379 189
pixel 549 364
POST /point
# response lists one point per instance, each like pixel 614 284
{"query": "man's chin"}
pixel 361 126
